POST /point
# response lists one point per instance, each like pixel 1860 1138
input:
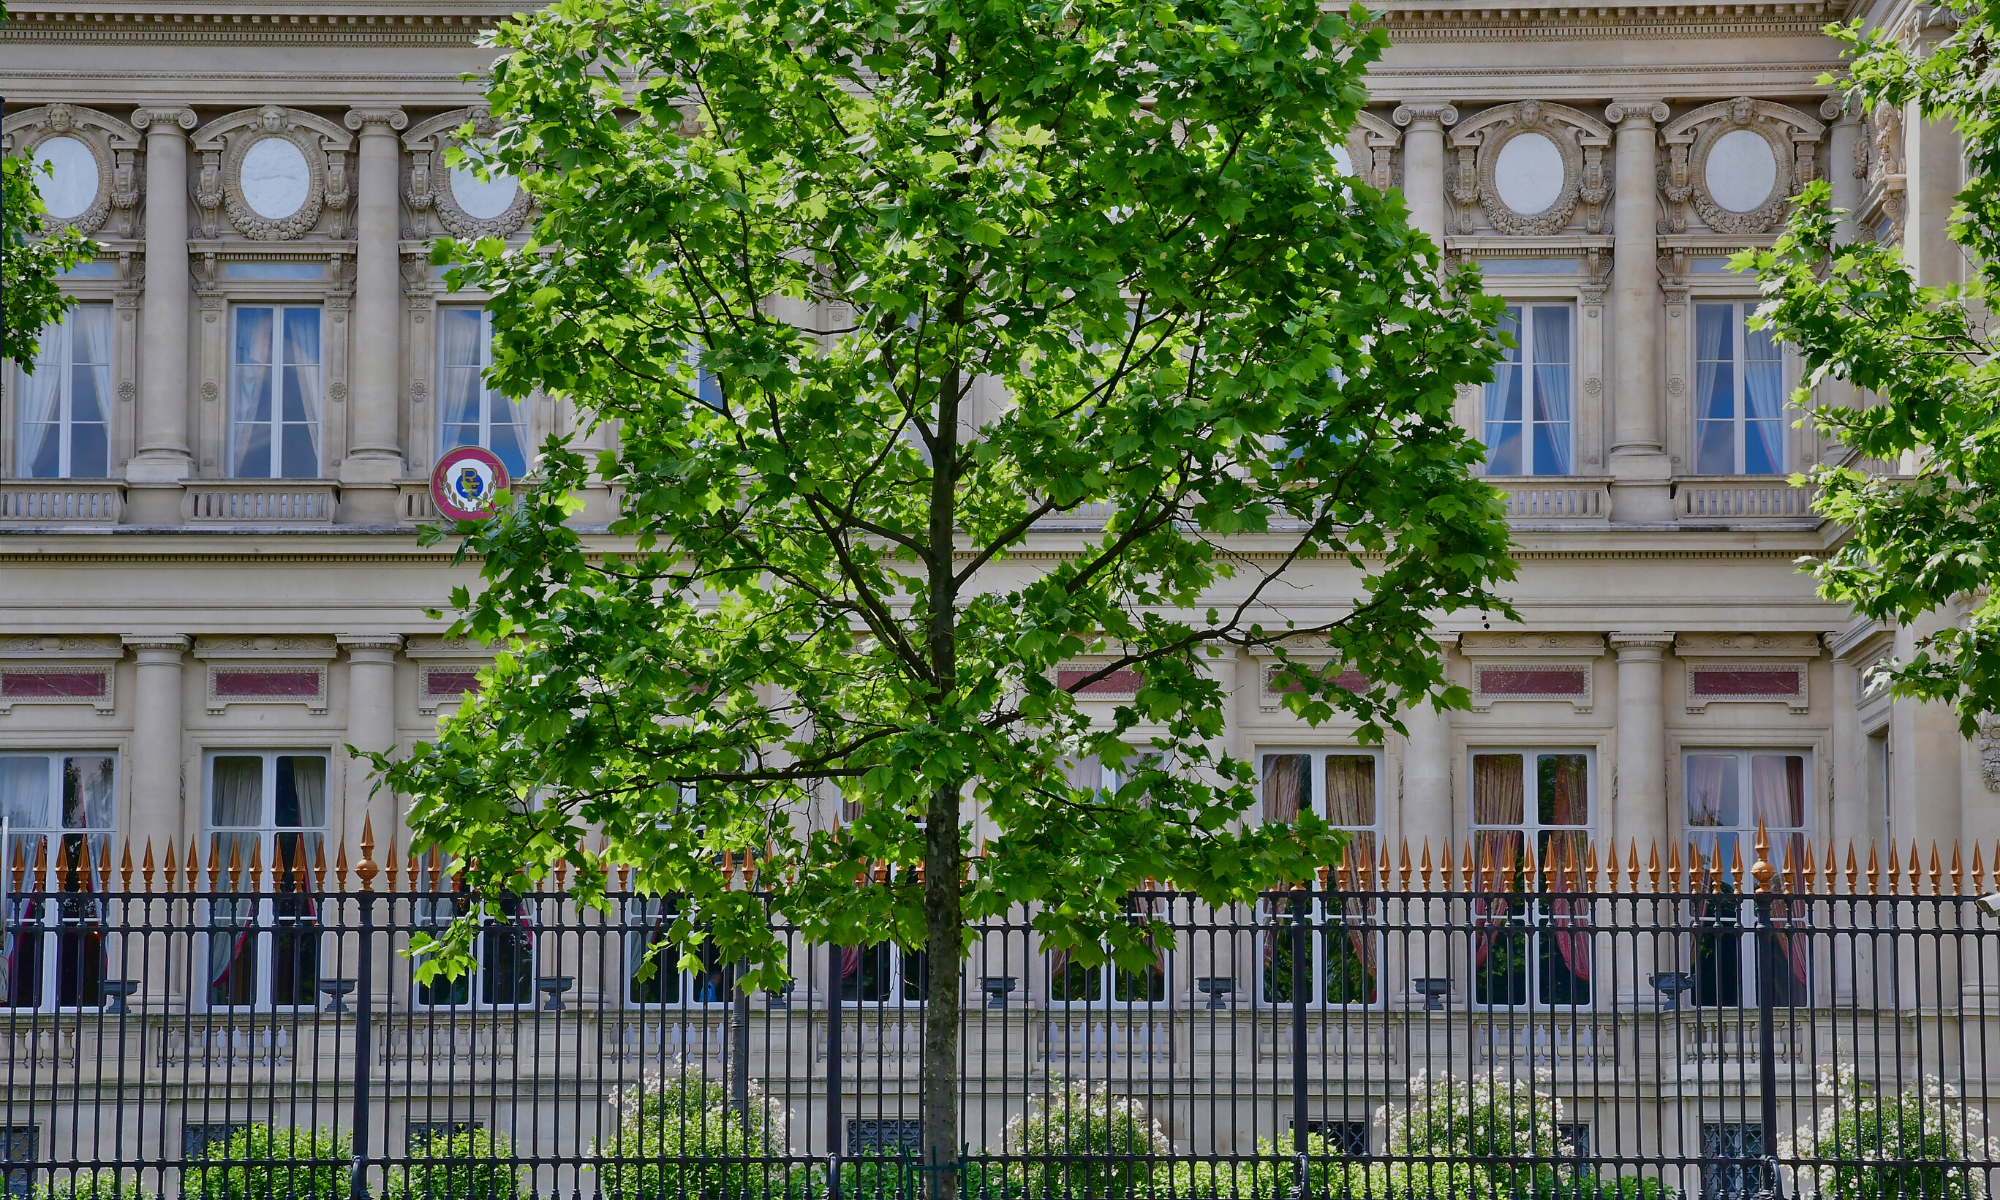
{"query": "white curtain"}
pixel 309 779
pixel 1714 388
pixel 238 801
pixel 1763 402
pixel 1503 403
pixel 459 385
pixel 250 395
pixel 302 359
pixel 40 393
pixel 1705 774
pixel 1777 798
pixel 1552 390
pixel 24 794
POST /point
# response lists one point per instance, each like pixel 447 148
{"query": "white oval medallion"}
pixel 1741 170
pixel 73 187
pixel 1529 173
pixel 1343 160
pixel 274 178
pixel 483 200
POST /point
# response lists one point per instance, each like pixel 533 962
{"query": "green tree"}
pixel 1919 494
pixel 34 252
pixel 876 292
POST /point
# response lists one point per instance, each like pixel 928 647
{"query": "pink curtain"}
pixel 1287 779
pixel 1498 798
pixel 1778 798
pixel 1569 805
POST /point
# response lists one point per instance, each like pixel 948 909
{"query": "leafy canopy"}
pixel 1919 491
pixel 889 302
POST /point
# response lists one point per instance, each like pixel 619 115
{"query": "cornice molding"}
pixel 445 30
pixel 1650 21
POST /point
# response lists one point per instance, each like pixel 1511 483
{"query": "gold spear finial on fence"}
pixel 365 869
pixel 1978 872
pixel 1957 870
pixel 1762 870
pixel 1937 870
pixel 1426 865
pixel 389 862
pixel 124 866
pixel 146 866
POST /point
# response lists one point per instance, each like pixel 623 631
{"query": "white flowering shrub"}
pixel 1923 1143
pixel 1080 1141
pixel 680 1135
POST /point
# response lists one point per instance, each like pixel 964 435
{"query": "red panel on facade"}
pixel 446 683
pixel 267 683
pixel 1277 683
pixel 1535 681
pixel 51 685
pixel 1746 681
pixel 1118 683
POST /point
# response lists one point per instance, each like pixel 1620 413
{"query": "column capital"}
pixel 163 115
pixel 364 643
pixel 176 644
pixel 1425 112
pixel 1640 113
pixel 1841 109
pixel 1640 646
pixel 376 120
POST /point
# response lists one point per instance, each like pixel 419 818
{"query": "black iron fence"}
pixel 1470 1029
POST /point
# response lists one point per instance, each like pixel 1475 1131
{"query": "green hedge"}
pixel 266 1162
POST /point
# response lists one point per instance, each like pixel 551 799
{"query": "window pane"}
pixel 1497 794
pixel 1711 790
pixel 1552 389
pixel 238 798
pixel 24 791
pixel 88 801
pixel 39 455
pixel 1562 789
pixel 1503 402
pixel 89 451
pixel 1350 790
pixel 250 382
pixel 1778 791
pixel 1287 786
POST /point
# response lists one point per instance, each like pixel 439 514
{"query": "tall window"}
pixel 503 974
pixel 1729 795
pixel 883 973
pixel 1739 393
pixel 263 940
pixel 469 412
pixel 1530 949
pixel 274 393
pixel 1528 423
pixel 64 402
pixel 58 811
pixel 1341 786
pixel 649 920
pixel 1074 981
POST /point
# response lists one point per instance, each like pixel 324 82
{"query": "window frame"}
pixel 488 396
pixel 277 366
pixel 436 907
pixel 1539 921
pixel 1323 920
pixel 1740 312
pixel 1728 839
pixel 64 362
pixel 263 917
pixel 53 920
pixel 1523 365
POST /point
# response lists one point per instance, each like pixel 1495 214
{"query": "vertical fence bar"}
pixel 833 1125
pixel 1301 981
pixel 364 987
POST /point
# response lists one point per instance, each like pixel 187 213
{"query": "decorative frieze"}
pixel 447 669
pixel 1747 668
pixel 266 670
pixel 94 162
pixel 1075 677
pixel 1275 684
pixel 1529 168
pixel 273 171
pixel 1532 666
pixel 1736 163
pixel 65 669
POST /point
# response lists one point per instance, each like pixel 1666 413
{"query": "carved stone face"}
pixel 272 119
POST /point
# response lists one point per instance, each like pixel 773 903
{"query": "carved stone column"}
pixel 155 769
pixel 374 455
pixel 163 456
pixel 1641 815
pixel 1424 123
pixel 1638 463
pixel 371 724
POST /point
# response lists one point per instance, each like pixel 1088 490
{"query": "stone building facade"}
pixel 210 580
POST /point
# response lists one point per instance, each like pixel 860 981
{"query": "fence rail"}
pixel 1601 1024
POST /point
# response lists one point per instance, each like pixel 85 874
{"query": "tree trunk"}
pixel 943 921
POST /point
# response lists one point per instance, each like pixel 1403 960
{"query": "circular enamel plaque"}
pixel 465 482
